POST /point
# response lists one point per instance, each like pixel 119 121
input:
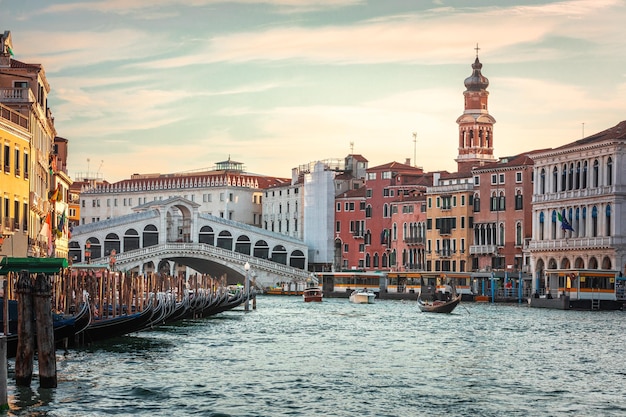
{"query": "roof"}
pixel 615 133
pixel 32 265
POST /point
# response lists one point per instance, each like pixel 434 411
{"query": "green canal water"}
pixel 288 358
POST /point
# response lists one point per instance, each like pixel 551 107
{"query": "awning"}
pixel 32 265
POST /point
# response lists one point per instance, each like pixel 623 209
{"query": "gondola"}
pixel 102 329
pixel 64 327
pixel 438 306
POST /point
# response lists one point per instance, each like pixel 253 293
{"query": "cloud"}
pixel 430 37
pixel 139 8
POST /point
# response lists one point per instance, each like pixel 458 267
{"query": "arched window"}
pixel 111 242
pixel 555 180
pixel 553 224
pixel 518 234
pixel 385 210
pixel 570 178
pixel 261 250
pixel 542 183
pixel 594 221
pixel 541 225
pixel 150 236
pixel 608 220
pixel 225 240
pixel 243 245
pixel 609 171
pixel 279 254
pixel 564 177
pixel 577 185
pixel 207 235
pixel 131 240
pixel 596 173
pixel 584 175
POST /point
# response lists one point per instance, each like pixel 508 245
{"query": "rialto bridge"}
pixel 171 236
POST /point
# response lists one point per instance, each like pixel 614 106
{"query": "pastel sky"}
pixel 145 86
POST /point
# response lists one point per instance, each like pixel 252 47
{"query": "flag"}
pixel 564 223
pixel 10 50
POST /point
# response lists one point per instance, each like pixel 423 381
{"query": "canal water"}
pixel 288 358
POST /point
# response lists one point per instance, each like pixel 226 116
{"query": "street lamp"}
pixel 247 285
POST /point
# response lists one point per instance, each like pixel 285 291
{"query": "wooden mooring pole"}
pixel 4 403
pixel 25 337
pixel 46 352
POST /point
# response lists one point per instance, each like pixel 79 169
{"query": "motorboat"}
pixel 314 294
pixel 362 296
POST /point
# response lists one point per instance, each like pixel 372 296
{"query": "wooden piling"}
pixel 4 403
pixel 25 336
pixel 46 352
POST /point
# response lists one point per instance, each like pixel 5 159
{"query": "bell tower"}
pixel 475 124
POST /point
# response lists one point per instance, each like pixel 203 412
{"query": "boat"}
pixel 312 294
pixel 65 326
pixel 439 306
pixel 362 296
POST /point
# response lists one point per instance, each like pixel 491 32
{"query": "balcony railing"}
pixel 483 249
pixel 414 240
pixel 577 243
pixel 9 224
pixel 13 116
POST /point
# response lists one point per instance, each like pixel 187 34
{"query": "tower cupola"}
pixel 477 81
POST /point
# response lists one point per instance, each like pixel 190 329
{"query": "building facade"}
pixel 305 208
pixel 24 89
pixel 502 214
pixel 449 215
pixel 227 192
pixel 579 205
pixel 385 185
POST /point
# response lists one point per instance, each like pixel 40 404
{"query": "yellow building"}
pixel 449 214
pixel 14 174
pixel 24 91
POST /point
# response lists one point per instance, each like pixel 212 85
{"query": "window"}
pixel 17 162
pixel 386 175
pixel 501 178
pixel 596 174
pixel 476 180
pixel 338 227
pixel 26 166
pixel 518 177
pixel 519 200
pixel 494 179
pixel 7 157
pixel 371 176
pixel 609 172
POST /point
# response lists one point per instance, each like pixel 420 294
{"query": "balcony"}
pixel 9 224
pixel 414 240
pixel 17 95
pixel 578 243
pixel 358 234
pixel 483 250
pixel 12 116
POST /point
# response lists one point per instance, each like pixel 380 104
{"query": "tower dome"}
pixel 477 81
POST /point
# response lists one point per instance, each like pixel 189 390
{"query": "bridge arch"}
pixel 217 245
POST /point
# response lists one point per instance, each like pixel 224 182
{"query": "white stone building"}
pixel 583 183
pixel 305 208
pixel 227 192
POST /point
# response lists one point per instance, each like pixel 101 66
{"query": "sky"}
pixel 147 86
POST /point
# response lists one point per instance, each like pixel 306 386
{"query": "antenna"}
pixel 414 148
pixel 583 129
pixel 100 167
pixel 351 147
